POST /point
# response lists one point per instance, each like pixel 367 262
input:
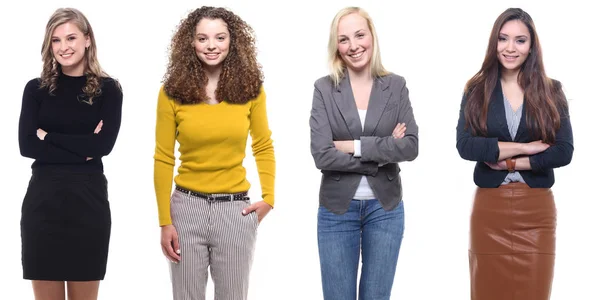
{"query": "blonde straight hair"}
pixel 336 64
pixel 51 68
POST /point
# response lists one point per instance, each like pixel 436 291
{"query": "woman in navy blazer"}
pixel 514 122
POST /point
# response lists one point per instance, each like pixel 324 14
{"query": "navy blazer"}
pixel 485 148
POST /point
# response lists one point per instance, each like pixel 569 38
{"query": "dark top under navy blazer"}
pixel 485 148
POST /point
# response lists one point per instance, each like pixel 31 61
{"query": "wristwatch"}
pixel 510 164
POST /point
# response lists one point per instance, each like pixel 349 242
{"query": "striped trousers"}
pixel 212 235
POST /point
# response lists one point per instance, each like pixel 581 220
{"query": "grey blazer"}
pixel 334 117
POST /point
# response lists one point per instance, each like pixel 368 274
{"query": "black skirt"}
pixel 65 226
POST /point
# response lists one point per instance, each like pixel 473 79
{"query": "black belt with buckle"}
pixel 243 196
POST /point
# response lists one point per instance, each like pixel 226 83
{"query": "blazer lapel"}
pixel 497 110
pixel 380 95
pixel 344 100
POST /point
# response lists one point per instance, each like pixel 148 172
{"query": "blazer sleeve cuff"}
pixel 493 151
pixel 534 163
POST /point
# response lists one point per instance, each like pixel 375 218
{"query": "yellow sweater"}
pixel 212 145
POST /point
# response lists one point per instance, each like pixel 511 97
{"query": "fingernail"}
pixel 178 251
pixel 244 211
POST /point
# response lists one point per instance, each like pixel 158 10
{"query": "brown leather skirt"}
pixel 513 233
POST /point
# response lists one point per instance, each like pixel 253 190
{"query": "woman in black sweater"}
pixel 70 118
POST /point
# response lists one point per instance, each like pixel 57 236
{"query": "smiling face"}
pixel 68 48
pixel 211 42
pixel 355 42
pixel 514 44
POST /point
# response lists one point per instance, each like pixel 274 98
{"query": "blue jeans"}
pixel 368 227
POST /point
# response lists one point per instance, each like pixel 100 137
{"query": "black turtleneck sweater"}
pixel 70 123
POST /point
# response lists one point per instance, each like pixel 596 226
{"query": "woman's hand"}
pixel 262 208
pixel 535 147
pixel 96 131
pixel 499 166
pixel 98 127
pixel 344 146
pixel 169 241
pixel 41 134
pixel 399 131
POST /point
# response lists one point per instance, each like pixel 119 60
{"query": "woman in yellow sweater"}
pixel 211 99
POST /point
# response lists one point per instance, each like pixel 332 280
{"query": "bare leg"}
pixel 83 290
pixel 48 290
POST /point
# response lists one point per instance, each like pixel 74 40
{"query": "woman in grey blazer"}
pixel 362 126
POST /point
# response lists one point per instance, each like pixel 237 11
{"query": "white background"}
pixel 436 46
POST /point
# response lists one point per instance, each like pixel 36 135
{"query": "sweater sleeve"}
pixel 262 147
pixel 29 143
pixel 102 143
pixel 164 156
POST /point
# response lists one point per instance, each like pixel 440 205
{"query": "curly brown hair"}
pixel 52 70
pixel 241 76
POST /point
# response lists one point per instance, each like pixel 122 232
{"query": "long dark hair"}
pixel 543 96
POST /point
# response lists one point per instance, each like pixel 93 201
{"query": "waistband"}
pixel 243 196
